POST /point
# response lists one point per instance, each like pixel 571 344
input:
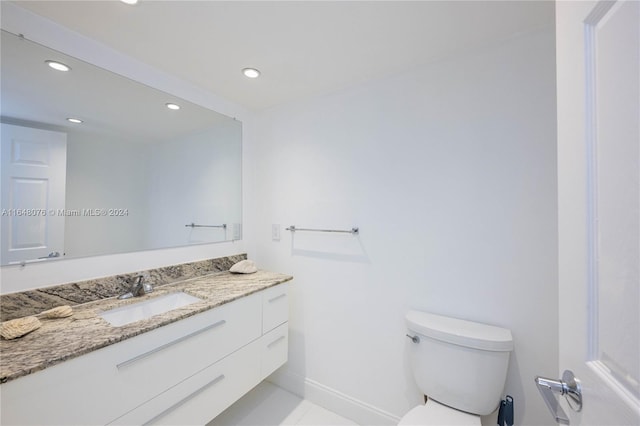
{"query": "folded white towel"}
pixel 244 267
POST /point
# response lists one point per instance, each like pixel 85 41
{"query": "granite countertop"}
pixel 62 339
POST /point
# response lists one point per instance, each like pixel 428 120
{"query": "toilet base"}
pixel 436 414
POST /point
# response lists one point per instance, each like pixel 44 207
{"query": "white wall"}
pixel 196 180
pixel 110 175
pixel 162 187
pixel 449 171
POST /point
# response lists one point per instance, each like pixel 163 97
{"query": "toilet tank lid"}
pixel 460 332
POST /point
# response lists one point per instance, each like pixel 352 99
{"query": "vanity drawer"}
pixel 64 394
pixel 158 360
pixel 275 349
pixel 203 396
pixel 275 307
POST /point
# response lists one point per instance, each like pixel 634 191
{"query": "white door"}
pixel 598 80
pixel 33 194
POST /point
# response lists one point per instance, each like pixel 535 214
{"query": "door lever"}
pixel 51 255
pixel 569 386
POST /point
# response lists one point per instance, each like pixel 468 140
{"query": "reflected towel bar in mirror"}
pixel 353 230
pixel 193 225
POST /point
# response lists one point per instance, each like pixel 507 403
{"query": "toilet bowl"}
pixel 460 365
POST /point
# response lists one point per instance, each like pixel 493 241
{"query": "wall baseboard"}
pixel 331 399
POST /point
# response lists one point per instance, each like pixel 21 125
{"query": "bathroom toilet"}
pixel 460 365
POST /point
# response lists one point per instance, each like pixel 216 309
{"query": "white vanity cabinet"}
pixel 183 373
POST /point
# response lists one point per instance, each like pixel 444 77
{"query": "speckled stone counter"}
pixel 62 339
pixel 32 302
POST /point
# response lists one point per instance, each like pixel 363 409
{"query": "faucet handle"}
pixel 143 286
pixel 137 288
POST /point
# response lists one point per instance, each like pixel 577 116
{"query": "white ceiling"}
pixel 303 48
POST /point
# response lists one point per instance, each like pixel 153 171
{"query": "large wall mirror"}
pixel 133 175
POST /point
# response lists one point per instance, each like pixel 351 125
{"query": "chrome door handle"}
pixel 51 255
pixel 568 386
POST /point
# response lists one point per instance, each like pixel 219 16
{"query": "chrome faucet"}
pixel 138 288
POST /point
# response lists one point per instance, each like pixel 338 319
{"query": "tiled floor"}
pixel 269 405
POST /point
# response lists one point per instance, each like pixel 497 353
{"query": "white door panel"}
pixel 27 232
pixel 598 80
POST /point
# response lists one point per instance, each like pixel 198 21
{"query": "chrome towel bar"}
pixel 353 230
pixel 193 225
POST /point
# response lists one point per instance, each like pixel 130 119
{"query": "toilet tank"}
pixel 459 363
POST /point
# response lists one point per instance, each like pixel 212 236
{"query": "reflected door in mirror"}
pixel 33 193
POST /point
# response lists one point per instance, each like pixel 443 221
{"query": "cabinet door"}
pixel 275 307
pixel 274 347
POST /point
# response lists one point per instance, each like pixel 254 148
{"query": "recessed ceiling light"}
pixel 74 120
pixel 129 1
pixel 59 66
pixel 172 106
pixel 251 72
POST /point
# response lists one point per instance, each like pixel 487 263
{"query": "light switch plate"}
pixel 275 232
pixel 237 231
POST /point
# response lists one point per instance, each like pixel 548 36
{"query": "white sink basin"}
pixel 143 310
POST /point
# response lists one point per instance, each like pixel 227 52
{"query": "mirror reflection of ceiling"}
pixel 302 48
pixel 108 104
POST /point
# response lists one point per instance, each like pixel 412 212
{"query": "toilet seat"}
pixel 436 414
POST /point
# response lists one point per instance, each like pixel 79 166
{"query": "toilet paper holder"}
pixel 569 386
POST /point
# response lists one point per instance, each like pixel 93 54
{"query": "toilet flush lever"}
pixel 569 386
pixel 414 339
